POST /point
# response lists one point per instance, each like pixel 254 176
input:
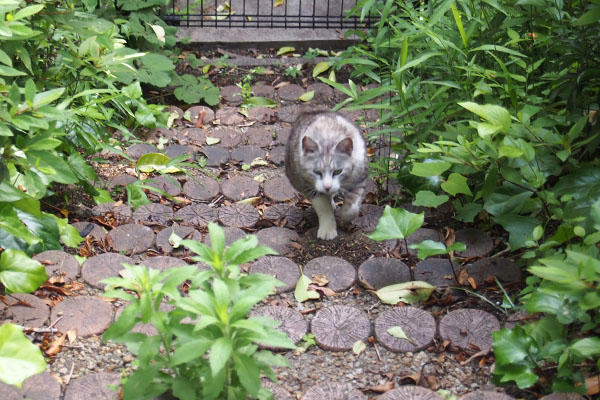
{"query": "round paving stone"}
pixel 94 386
pixel 37 387
pixel 279 188
pixel 156 134
pixel 227 137
pixel 481 395
pixel 288 113
pixel 192 136
pixel 238 215
pixel 337 328
pixel 264 115
pixel 259 137
pixel 229 116
pixel 418 236
pixel 215 155
pixel 436 271
pixel 201 188
pixel 120 180
pixel 86 229
pixel 379 272
pixel 290 92
pixel 281 268
pixel 368 217
pixel 283 214
pixel 196 215
pixel 58 263
pixel 410 392
pixel 283 134
pixel 231 94
pixel 292 322
pixel 247 154
pixel 340 273
pixel 239 188
pixel 184 232
pixel 102 266
pixel 276 155
pixel 322 91
pixel 479 243
pixel 163 263
pixel 168 185
pixel 88 315
pixel 278 392
pixel 563 396
pixel 418 325
pixel 116 210
pixel 176 150
pixel 176 111
pixel 333 391
pixel 203 113
pixel 484 270
pixel 131 238
pixel 469 329
pixel 153 214
pixel 139 149
pixel 231 235
pixel 262 90
pixel 26 310
pixel 278 239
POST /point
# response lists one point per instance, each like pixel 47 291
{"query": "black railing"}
pixel 287 14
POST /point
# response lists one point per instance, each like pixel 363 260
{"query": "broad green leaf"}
pixel 586 347
pixel 320 68
pixel 302 293
pixel 495 47
pixel 511 349
pixel 398 332
pixel 466 212
pixel 426 169
pixel 456 184
pixel 10 71
pixel 308 96
pixel 19 273
pixel 495 115
pixel 260 102
pixel 428 248
pixel 28 11
pixel 285 50
pixel 589 17
pixel 427 198
pixel 47 97
pixel 19 358
pixel 248 371
pixel 519 227
pixel 220 352
pixel 68 233
pixel 10 222
pixel 407 292
pixel 159 31
pixel 396 223
pixel 151 162
pixel 418 61
pixel 5 58
pixel 217 238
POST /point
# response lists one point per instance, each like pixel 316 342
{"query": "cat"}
pixel 325 156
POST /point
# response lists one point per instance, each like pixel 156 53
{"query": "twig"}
pixel 501 252
pixel 68 378
pixel 40 330
pixel 481 353
pixel 377 351
pixel 55 322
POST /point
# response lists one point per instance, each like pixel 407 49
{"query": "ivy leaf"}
pixel 398 332
pixel 19 358
pixel 495 115
pixel 427 198
pixel 513 364
pixel 396 223
pixel 456 184
pixel 19 273
pixel 519 227
pixel 302 293
pixel 258 101
pixel 427 169
pixel 466 212
pixel 156 69
pixel 428 248
pixel 151 162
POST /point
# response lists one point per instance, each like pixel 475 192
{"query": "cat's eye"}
pixel 337 172
pixel 318 172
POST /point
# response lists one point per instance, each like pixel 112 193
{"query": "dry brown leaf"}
pixel 182 200
pixel 55 346
pixel 462 277
pixel 416 377
pixel 432 382
pixel 593 385
pixel 281 84
pixel 72 335
pixel 320 280
pixel 472 282
pixel 384 387
pixel 325 290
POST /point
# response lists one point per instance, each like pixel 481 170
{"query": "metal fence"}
pixel 287 14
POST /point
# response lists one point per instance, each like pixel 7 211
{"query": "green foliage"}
pixel 497 106
pixel 396 223
pixel 194 89
pixel 19 358
pixel 216 355
pixel 19 273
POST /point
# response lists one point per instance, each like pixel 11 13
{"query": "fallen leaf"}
pixel 416 377
pixel 212 140
pixel 358 347
pixel 472 282
pixel 398 332
pixel 462 277
pixel 320 280
pixel 260 178
pixel 384 387
pixel 325 290
pixel 302 293
pixel 285 50
pixel 253 201
pixel 593 385
pixel 308 96
pixel 433 382
pixel 55 346
pixel 72 335
pixel 278 3
pixel 281 84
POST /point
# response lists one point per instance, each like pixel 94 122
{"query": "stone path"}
pixel 244 155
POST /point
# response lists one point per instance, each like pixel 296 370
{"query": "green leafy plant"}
pixel 20 358
pixel 215 356
pixel 293 71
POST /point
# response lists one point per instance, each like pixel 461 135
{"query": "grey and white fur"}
pixel 326 156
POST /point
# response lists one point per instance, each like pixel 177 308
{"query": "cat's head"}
pixel 326 162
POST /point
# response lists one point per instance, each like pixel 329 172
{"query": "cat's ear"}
pixel 309 145
pixel 345 146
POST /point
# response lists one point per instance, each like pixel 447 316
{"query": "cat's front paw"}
pixel 327 233
pixel 349 214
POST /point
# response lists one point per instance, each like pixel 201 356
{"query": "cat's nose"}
pixel 327 187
